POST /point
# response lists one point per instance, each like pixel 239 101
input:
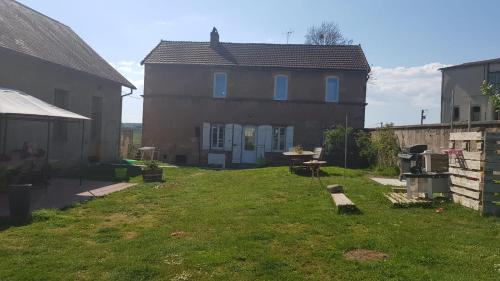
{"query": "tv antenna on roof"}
pixel 289 34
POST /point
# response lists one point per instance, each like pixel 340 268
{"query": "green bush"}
pixel 358 147
pixel 378 150
pixel 386 147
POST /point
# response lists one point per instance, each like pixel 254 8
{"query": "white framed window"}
pixel 279 138
pixel 280 87
pixel 332 89
pixel 217 136
pixel 220 85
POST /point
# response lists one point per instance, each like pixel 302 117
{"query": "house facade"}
pixel 46 59
pixel 232 103
pixel 461 97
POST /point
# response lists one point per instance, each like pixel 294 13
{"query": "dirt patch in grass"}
pixel 365 255
pixel 178 234
pixel 130 235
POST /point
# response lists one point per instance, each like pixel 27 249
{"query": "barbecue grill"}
pixel 411 159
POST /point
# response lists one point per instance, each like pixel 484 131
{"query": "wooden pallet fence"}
pixel 475 170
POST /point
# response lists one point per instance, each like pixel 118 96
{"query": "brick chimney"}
pixel 214 38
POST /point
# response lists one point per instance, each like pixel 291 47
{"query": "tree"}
pixel 493 95
pixel 328 33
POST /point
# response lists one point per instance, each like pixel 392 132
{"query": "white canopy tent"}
pixel 14 102
pixel 17 105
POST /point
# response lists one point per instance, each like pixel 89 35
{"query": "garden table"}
pixel 297 158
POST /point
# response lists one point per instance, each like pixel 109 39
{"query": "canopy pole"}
pixel 48 141
pixel 81 152
pixel 4 149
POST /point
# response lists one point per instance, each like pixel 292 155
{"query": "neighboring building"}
pixel 215 102
pixel 461 96
pixel 46 59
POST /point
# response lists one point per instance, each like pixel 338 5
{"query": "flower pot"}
pixel 19 202
pixel 152 175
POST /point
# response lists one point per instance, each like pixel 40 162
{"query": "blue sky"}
pixel 405 41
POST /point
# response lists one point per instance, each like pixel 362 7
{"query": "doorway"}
pixel 249 153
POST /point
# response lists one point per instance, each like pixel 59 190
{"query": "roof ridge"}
pixel 42 14
pixel 472 63
pixel 271 44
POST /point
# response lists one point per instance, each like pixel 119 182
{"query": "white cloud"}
pixel 404 89
pixel 132 105
pixel 416 86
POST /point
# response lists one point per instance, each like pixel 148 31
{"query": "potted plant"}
pixel 152 172
pixel 298 149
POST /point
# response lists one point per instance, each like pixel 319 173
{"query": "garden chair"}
pixel 318 153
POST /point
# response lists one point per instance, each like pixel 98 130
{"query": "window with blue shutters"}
pixel 220 85
pixel 332 89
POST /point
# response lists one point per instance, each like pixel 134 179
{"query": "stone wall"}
pixel 436 136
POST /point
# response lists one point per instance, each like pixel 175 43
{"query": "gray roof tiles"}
pixel 29 32
pixel 345 57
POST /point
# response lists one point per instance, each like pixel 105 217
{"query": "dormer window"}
pixel 220 85
pixel 281 87
pixel 332 89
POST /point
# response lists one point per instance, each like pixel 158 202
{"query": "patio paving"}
pixel 65 192
pixel 391 182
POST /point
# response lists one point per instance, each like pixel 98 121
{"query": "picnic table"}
pixel 297 159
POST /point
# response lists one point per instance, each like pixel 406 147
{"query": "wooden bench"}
pixel 343 203
pixel 335 188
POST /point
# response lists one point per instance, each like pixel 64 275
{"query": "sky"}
pixel 405 42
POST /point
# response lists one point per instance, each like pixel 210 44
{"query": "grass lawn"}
pixel 255 224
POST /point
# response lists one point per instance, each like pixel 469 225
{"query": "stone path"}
pixel 391 182
pixel 62 193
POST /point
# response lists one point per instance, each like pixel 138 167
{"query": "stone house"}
pixel 232 103
pixel 48 60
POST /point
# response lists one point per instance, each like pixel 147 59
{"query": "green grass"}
pixel 255 224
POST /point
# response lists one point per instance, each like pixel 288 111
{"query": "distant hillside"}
pixel 134 126
pixel 137 129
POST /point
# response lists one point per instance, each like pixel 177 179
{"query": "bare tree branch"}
pixel 328 33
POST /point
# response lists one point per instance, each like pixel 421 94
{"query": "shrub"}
pixel 364 149
pixel 358 146
pixel 151 165
pixel 386 146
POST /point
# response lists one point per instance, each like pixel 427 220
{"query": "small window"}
pixel 278 138
pixel 280 87
pixel 220 85
pixel 456 113
pixel 61 100
pixel 332 89
pixel 476 113
pixel 494 79
pixel 217 139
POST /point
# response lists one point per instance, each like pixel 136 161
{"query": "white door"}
pixel 249 152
